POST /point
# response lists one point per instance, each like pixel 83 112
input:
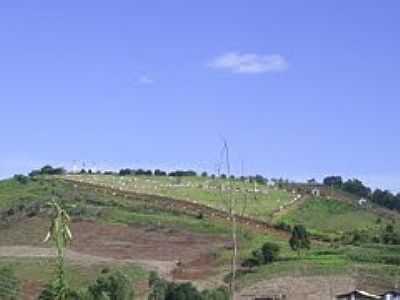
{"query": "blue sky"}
pixel 300 89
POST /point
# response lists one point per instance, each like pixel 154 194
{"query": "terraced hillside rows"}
pixel 192 208
pixel 259 201
pixel 330 215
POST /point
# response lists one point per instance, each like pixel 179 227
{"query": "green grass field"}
pixel 257 201
pixel 329 216
pixel 42 271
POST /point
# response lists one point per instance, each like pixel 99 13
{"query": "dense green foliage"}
pixel 356 187
pixel 48 170
pixel 111 286
pixel 299 240
pixel 267 254
pixel 165 290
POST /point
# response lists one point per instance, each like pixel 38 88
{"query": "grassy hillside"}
pixel 330 216
pixel 323 215
pixel 260 200
pixel 114 225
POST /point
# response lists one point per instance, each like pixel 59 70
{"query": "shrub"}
pixel 283 226
pixel 267 254
pixel 22 179
pixel 184 291
pixel 114 286
pixel 164 290
pixel 52 291
pixel 270 252
pixel 217 294
pixel 9 284
pixel 299 239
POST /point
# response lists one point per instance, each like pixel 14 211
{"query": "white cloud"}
pixel 144 79
pixel 249 63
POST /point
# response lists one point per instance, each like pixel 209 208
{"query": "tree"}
pixel 60 234
pixel 165 290
pixel 260 179
pixel 126 172
pixel 22 179
pixel 184 291
pixel 299 240
pixel 217 294
pixel 356 187
pixel 267 254
pixel 158 287
pixel 111 286
pixel 158 172
pixel 204 174
pixel 334 181
pixel 270 252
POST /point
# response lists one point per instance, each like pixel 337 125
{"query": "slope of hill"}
pixel 116 227
pixel 259 201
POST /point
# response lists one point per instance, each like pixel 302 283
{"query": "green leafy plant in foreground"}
pixel 60 234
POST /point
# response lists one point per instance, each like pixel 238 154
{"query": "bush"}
pixel 9 284
pixel 115 286
pixel 267 254
pixel 217 294
pixel 180 173
pixel 283 226
pixel 22 179
pixel 270 252
pixel 164 290
pixel 299 240
pixel 47 170
pixel 184 291
pixel 52 292
pixel 160 173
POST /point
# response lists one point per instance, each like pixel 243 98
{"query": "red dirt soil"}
pixel 190 254
pixel 140 242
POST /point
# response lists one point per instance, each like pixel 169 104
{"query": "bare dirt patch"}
pixel 154 248
pixel 184 249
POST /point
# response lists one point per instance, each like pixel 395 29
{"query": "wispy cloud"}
pixel 144 79
pixel 249 63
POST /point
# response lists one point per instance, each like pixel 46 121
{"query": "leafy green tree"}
pixel 334 181
pixel 267 254
pixel 356 187
pixel 270 252
pixel 158 287
pixel 184 291
pixel 21 178
pixel 111 286
pixel 299 240
pixel 217 294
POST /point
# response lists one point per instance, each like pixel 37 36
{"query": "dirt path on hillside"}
pixel 296 204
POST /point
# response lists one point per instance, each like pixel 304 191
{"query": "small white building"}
pixel 316 192
pixel 362 202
